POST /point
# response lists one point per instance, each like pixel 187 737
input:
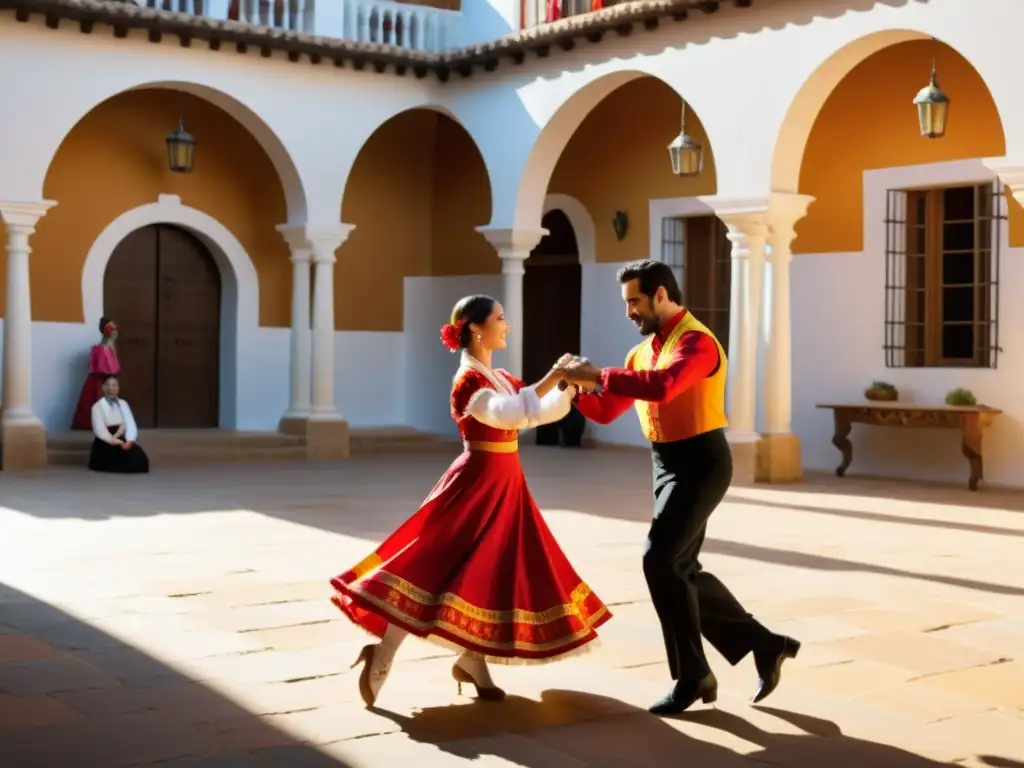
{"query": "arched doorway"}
pixel 163 289
pixel 551 303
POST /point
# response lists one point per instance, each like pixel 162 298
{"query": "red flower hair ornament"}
pixel 451 335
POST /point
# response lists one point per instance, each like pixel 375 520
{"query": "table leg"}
pixel 841 440
pixel 971 447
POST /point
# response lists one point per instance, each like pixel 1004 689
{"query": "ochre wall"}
pixel 115 159
pixel 869 122
pixel 417 191
pixel 618 160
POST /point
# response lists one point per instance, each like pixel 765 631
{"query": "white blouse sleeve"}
pixel 99 424
pixel 502 411
pixel 131 430
pixel 556 404
pixel 520 411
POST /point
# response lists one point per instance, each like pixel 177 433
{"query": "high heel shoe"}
pixel 366 688
pixel 685 694
pixel 492 693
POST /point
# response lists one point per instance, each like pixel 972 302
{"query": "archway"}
pixel 829 161
pixel 614 130
pixel 551 297
pixel 417 192
pixel 163 287
pixel 238 310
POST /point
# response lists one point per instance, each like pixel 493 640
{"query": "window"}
pixel 699 251
pixel 942 277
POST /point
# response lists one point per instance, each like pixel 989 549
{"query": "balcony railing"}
pixel 413 27
pixel 538 12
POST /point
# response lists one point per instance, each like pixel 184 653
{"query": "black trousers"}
pixel 690 480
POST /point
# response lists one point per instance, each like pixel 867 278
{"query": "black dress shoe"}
pixel 769 665
pixel 685 694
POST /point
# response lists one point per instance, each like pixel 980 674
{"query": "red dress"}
pixel 102 363
pixel 476 566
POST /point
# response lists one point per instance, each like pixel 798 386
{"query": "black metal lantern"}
pixel 686 154
pixel 932 108
pixel 181 150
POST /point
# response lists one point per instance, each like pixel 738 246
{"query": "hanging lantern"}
pixel 932 108
pixel 687 155
pixel 181 150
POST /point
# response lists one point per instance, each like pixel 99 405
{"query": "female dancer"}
pixel 103 362
pixel 476 567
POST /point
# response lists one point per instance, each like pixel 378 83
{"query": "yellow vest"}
pixel 699 409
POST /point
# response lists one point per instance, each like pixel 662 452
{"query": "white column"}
pixel 747 232
pixel 20 222
pixel 299 404
pixel 787 209
pixel 24 439
pixel 323 243
pixel 514 247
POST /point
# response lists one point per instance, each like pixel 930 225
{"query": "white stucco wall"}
pixel 369 376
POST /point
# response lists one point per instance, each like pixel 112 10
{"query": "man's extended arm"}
pixel 602 407
pixel 694 358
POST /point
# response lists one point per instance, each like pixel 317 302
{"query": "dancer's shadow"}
pixel 605 732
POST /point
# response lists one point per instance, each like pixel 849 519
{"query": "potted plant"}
pixel 961 396
pixel 882 391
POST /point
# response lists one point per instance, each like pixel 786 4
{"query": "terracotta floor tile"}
pixel 18 713
pixel 24 648
pixel 203 636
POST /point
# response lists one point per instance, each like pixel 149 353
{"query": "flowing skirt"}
pixel 476 567
pixel 105 457
pixel 92 391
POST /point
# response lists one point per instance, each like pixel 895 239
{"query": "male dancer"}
pixel 676 378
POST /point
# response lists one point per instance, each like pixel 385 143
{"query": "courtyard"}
pixel 181 619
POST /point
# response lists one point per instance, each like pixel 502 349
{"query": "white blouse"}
pixel 504 408
pixel 106 414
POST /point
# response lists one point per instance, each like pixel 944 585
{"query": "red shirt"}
pixel 695 357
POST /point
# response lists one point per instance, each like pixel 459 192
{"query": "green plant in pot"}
pixel 961 396
pixel 881 391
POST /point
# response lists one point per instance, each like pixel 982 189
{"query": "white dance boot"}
pixel 377 660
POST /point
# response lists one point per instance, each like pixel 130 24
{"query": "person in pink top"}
pixel 103 362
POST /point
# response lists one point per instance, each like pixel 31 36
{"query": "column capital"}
pixel 513 243
pixel 23 216
pixel 295 236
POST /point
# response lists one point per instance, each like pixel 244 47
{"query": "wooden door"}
pixel 129 288
pixel 162 288
pixel 188 332
pixel 551 298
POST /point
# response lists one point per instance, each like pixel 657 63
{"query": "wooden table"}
pixel 971 420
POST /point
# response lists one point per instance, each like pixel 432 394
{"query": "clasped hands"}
pixel 578 371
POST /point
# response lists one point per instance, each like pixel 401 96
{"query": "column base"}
pixel 779 459
pixel 744 456
pixel 327 437
pixel 24 446
pixel 293 423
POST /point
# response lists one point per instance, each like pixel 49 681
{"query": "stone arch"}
pixel 555 134
pixel 287 170
pixel 416 191
pixel 239 285
pixel 796 126
pixel 580 219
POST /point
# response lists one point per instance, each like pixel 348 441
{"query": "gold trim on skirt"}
pixel 510 446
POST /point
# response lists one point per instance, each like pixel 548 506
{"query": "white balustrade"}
pixel 403 25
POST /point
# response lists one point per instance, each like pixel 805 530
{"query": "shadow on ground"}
pixel 110 705
pixel 630 736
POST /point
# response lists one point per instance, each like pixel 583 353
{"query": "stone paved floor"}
pixel 181 619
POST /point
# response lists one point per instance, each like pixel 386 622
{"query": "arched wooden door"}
pixel 551 298
pixel 162 288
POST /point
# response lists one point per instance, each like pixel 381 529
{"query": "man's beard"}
pixel 648 325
